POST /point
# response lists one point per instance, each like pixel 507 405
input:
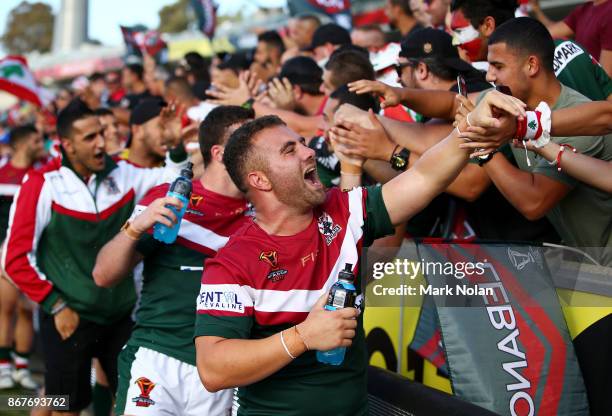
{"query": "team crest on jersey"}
pixel 271 258
pixel 195 199
pixel 111 185
pixel 328 228
pixel 146 386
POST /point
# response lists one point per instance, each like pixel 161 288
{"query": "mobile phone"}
pixel 461 85
pixel 504 89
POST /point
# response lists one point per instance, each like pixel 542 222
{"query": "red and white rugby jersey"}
pixel 275 280
pixel 260 284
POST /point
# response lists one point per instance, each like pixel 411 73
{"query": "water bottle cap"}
pixel 187 172
pixel 347 273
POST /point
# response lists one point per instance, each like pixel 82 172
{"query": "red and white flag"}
pixel 17 79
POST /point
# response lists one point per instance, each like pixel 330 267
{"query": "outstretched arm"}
pixel 588 119
pixel 592 171
pixel 410 192
pixel 430 103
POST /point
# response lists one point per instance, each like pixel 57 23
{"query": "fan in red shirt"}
pixel 588 24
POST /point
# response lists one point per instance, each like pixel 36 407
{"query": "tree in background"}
pixel 175 17
pixel 29 28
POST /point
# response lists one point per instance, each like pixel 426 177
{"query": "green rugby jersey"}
pixel 172 272
pixel 260 284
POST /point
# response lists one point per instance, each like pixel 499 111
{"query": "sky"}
pixel 105 16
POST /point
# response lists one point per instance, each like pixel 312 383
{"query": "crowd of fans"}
pixel 404 109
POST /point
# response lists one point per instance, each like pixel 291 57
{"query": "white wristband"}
pixel 285 346
pixel 545 125
pixel 532 126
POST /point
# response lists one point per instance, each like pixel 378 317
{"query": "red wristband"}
pixel 521 128
pixel 561 150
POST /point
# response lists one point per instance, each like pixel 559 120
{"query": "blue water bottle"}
pixel 341 295
pixel 181 190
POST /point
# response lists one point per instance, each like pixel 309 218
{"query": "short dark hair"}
pixel 74 111
pixel 349 66
pixel 195 61
pixel 21 133
pixel 238 149
pixel 304 72
pixel 438 68
pixel 477 10
pixel 214 127
pixel 362 101
pixel 352 48
pixel 96 76
pixel 273 39
pixel 136 69
pixel 527 36
pixel 404 5
pixel 181 84
pixel 103 111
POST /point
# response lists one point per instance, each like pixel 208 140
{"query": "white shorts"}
pixel 152 383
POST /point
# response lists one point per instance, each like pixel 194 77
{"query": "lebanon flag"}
pixel 16 78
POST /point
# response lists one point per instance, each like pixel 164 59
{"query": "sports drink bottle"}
pixel 181 190
pixel 341 295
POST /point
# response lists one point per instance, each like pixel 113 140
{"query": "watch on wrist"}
pixel 399 160
pixel 248 104
pixel 486 158
pixel 130 232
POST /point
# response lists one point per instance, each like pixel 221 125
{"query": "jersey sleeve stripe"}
pixel 28 217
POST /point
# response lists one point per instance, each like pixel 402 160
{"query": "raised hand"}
pixel 170 122
pixel 391 96
pixel 281 93
pixel 492 122
pixel 362 142
pixel 223 95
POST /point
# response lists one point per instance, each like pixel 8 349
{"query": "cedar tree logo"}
pixel 532 125
pixel 146 386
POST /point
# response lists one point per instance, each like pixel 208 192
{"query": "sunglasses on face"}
pixel 399 68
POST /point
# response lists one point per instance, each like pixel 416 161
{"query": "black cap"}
pixel 330 33
pixel 236 61
pixel 146 110
pixel 433 43
pixel 301 70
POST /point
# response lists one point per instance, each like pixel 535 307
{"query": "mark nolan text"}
pixel 458 290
